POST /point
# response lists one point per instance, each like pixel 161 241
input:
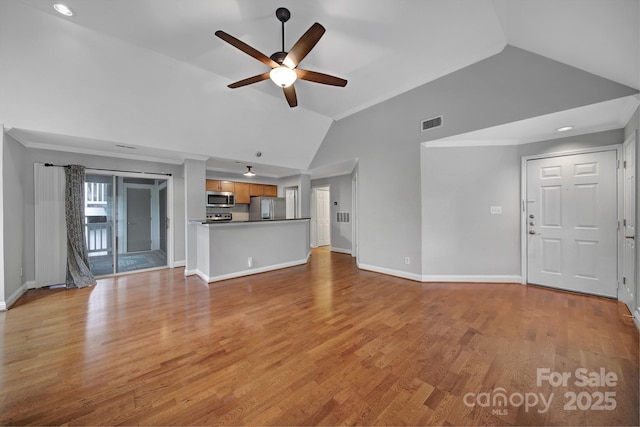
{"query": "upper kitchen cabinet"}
pixel 256 190
pixel 216 185
pixel 242 193
pixel 263 190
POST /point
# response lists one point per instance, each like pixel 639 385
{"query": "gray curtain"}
pixel 78 273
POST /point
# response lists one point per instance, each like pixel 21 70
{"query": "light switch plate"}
pixel 496 210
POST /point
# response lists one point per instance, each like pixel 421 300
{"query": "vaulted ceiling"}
pixel 382 47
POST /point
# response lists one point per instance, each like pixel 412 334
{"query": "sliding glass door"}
pixel 125 223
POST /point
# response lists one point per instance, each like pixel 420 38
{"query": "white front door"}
pixel 324 216
pixel 572 222
pixel 629 295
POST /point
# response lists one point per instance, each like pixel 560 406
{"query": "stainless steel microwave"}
pixel 221 199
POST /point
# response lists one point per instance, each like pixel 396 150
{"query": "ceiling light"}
pixel 63 9
pixel 249 172
pixel 564 128
pixel 283 76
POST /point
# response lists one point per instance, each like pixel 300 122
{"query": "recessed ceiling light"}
pixel 63 9
pixel 564 128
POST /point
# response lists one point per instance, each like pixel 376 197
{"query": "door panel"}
pixel 138 219
pixel 572 222
pixel 324 216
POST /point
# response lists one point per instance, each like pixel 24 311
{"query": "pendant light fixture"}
pixel 249 172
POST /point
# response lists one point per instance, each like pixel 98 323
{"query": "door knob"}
pixel 532 232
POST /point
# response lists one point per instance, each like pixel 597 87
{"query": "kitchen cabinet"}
pixel 256 190
pixel 242 193
pixel 244 190
pixel 270 190
pixel 217 185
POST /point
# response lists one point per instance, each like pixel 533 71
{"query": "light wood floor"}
pixel 322 343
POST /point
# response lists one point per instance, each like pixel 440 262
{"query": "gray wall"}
pixel 459 185
pixel 459 235
pixel 340 190
pixel 385 138
pixel 93 161
pixel 194 174
pixel 15 247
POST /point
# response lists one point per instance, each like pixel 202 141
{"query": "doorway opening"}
pixel 321 216
pixel 570 221
pixel 126 223
pixel 291 196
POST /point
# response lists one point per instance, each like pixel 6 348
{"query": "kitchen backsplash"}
pixel 240 213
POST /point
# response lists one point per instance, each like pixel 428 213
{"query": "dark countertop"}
pixel 218 222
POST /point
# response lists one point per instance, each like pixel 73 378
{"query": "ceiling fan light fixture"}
pixel 283 76
pixel 63 9
pixel 249 172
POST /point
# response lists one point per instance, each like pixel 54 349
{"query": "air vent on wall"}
pixel 434 122
pixel 342 217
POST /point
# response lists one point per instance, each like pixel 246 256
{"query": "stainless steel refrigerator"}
pixel 264 208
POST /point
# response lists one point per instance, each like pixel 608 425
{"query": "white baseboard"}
pixel 391 272
pixel 472 278
pixel 4 305
pixel 210 279
pixel 342 251
pixel 191 272
pixel 179 263
pixel 442 278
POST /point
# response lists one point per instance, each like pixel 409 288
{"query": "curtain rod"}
pixel 113 170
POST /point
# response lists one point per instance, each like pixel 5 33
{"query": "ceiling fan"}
pixel 283 64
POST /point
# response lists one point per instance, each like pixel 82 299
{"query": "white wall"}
pixel 14 223
pixel 60 77
pixel 386 138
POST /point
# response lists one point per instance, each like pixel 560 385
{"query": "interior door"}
pixel 572 222
pixel 138 219
pixel 629 295
pixel 323 217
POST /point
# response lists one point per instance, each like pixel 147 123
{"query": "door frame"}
pixel 523 203
pixel 314 214
pixel 170 207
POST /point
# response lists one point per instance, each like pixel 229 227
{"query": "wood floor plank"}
pixel 317 344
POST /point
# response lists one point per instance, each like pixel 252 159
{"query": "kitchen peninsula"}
pixel 240 248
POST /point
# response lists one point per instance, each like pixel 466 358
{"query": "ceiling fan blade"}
pixel 250 80
pixel 247 49
pixel 290 94
pixel 314 76
pixel 304 45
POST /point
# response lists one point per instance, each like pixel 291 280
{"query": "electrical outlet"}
pixel 250 261
pixel 407 260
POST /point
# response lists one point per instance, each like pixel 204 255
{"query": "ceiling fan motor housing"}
pixel 279 57
pixel 283 14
